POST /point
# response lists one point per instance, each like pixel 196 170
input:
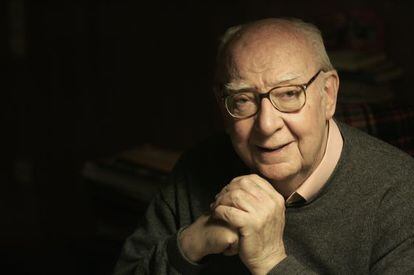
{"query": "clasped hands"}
pixel 247 218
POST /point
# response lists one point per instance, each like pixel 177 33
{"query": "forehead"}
pixel 268 53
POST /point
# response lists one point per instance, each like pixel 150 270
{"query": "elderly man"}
pixel 287 190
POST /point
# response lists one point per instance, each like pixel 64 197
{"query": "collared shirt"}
pixel 314 183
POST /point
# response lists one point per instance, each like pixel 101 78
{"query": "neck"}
pixel 288 186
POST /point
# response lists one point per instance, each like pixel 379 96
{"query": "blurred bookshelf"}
pixel 120 187
pixel 371 97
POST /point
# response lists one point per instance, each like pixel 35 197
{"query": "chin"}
pixel 278 172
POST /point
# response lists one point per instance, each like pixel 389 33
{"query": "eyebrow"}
pixel 242 85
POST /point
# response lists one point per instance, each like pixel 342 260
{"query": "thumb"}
pixel 232 249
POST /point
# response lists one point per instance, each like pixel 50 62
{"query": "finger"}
pixel 233 249
pixel 263 183
pixel 264 186
pixel 252 185
pixel 234 180
pixel 233 216
pixel 240 199
pixel 266 201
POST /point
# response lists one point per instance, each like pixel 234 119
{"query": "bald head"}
pixel 290 36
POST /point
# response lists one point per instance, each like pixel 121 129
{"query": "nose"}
pixel 268 118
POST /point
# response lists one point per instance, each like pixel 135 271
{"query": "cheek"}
pixel 240 130
pixel 314 113
pixel 308 129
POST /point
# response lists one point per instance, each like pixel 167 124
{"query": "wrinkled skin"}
pixel 251 204
pixel 281 149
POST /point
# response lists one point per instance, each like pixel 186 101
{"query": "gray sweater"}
pixel 362 222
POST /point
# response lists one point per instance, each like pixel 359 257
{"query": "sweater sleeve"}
pixel 393 249
pixel 290 265
pixel 153 247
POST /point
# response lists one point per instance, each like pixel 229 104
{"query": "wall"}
pixel 87 79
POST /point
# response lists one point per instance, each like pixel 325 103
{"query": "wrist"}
pixel 265 266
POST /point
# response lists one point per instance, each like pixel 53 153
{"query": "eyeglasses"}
pixel 286 99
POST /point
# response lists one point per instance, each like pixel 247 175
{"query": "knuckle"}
pixel 257 179
pixel 236 178
pixel 236 195
pixel 238 199
pixel 223 212
pixel 244 181
pixel 227 212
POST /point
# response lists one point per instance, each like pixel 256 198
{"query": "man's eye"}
pixel 242 99
pixel 289 95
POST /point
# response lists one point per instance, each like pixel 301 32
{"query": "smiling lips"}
pixel 272 149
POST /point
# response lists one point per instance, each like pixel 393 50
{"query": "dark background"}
pixel 86 79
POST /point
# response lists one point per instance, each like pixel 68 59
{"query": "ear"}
pixel 331 88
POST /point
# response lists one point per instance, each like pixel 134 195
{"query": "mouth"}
pixel 272 149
